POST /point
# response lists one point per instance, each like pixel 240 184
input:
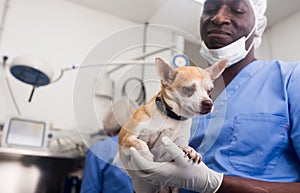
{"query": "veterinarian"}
pixel 257 148
pixel 99 175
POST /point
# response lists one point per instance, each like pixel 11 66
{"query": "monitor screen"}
pixel 23 132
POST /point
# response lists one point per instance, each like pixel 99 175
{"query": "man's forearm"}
pixel 237 185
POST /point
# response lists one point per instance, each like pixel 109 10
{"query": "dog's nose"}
pixel 206 106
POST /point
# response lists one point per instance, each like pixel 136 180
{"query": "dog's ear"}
pixel 165 72
pixel 216 69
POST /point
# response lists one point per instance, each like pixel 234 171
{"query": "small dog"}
pixel 185 92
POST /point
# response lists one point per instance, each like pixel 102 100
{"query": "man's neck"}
pixel 230 73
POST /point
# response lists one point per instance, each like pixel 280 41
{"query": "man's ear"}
pixel 216 69
pixel 165 72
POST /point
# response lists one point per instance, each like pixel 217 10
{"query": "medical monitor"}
pixel 23 132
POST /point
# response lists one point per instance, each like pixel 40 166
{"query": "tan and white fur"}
pixel 186 90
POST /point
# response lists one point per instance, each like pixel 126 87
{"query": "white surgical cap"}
pixel 117 114
pixel 259 7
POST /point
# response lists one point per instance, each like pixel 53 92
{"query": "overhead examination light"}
pixel 36 72
pixel 31 70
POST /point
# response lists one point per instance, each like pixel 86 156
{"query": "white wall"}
pixel 67 34
pixel 60 32
pixel 281 40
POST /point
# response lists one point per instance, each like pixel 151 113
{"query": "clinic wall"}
pixel 280 41
pixel 62 33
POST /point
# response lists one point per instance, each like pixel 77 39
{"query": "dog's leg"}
pixel 192 154
pixel 140 146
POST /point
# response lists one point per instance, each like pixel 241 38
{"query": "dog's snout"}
pixel 206 106
pixel 207 103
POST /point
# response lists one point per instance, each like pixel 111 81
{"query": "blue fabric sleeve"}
pixel 92 177
pixel 100 175
pixel 293 89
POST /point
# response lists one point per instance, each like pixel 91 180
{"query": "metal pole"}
pixel 3 18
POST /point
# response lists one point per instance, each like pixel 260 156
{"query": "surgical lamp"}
pixel 36 72
pixel 31 70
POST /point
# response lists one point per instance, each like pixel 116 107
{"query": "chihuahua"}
pixel 184 93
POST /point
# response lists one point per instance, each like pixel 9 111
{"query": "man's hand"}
pixel 182 173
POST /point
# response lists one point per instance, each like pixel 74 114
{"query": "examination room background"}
pixel 63 32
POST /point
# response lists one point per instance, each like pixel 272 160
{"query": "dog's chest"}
pixel 160 126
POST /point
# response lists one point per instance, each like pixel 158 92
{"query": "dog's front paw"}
pixel 192 154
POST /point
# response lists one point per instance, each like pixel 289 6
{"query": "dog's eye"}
pixel 209 92
pixel 188 90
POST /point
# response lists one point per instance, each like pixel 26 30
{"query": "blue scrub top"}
pixel 254 129
pixel 99 175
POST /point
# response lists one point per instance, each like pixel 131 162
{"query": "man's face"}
pixel 224 21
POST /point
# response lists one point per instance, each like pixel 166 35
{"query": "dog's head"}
pixel 187 89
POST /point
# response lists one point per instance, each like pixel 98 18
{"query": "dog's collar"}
pixel 166 109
